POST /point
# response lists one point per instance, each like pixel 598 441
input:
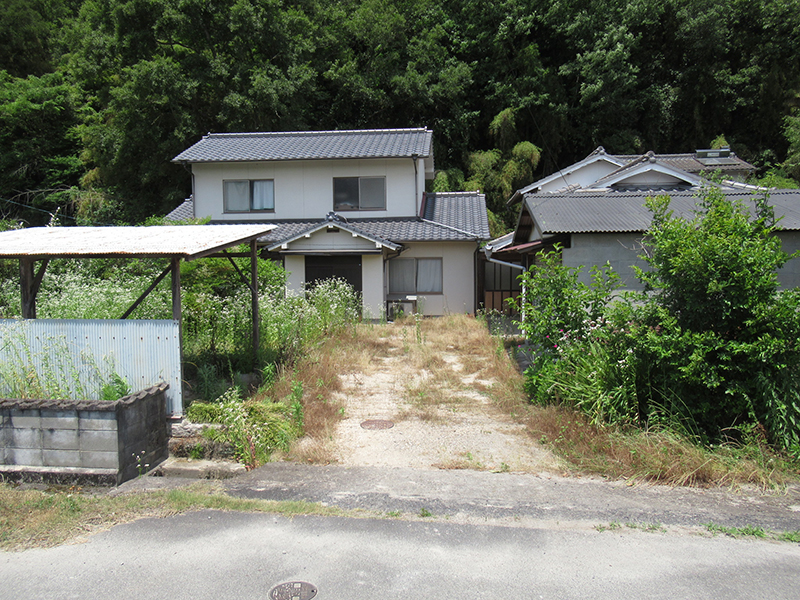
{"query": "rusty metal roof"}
pixel 185 241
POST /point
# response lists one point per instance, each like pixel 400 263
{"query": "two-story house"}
pixel 350 204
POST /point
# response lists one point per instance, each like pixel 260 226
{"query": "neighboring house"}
pixel 599 215
pixel 349 204
pixel 599 164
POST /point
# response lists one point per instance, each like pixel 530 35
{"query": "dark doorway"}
pixel 347 267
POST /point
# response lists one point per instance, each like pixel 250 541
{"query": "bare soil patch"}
pixel 442 383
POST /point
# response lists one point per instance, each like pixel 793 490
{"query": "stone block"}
pixel 25 419
pixel 61 458
pixel 59 419
pixel 23 437
pixel 60 439
pixel 99 460
pixel 97 420
pixel 25 456
pixel 98 441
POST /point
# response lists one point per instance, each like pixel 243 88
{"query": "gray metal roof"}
pixel 186 241
pixel 616 212
pixel 310 145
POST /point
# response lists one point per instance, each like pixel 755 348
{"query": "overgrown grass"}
pixel 35 518
pixel 658 456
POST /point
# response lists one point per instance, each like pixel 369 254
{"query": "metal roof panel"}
pixel 188 241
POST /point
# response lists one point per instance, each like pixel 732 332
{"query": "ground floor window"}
pixel 415 276
pixel 347 267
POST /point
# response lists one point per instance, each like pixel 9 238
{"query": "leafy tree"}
pixel 501 171
pixel 727 344
pixel 792 131
pixel 39 150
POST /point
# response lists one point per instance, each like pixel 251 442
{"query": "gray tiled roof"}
pixel 465 211
pixel 332 219
pixel 689 162
pixel 448 217
pixel 183 212
pixel 396 230
pixel 598 212
pixel 310 145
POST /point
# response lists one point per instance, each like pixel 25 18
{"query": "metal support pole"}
pixel 254 296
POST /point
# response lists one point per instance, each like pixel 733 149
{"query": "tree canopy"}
pixel 512 89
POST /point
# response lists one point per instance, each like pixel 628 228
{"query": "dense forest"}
pixel 96 96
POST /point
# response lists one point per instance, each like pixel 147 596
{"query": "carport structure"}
pixel 174 243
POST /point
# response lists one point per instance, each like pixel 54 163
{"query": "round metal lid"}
pixel 293 590
pixel 377 424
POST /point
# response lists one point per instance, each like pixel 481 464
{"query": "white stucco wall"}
pixel 325 239
pixel 295 266
pixel 458 277
pixel 583 176
pixel 304 189
pixel 373 284
pixel 621 250
pixel 789 275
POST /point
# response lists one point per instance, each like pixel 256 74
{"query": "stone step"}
pixel 190 468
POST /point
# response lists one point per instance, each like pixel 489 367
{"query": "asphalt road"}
pixel 490 535
pixel 217 555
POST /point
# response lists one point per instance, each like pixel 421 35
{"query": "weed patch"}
pixel 34 518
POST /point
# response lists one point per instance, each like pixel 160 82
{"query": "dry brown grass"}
pixel 453 348
pixel 463 461
pixel 456 359
pixel 654 456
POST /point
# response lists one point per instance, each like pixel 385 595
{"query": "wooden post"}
pixel 254 297
pixel 26 281
pixel 176 288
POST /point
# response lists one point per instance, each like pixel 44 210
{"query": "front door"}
pixel 347 267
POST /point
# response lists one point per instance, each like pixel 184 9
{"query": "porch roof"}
pixel 180 241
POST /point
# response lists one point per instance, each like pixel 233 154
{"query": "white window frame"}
pixel 251 185
pixel 438 284
pixel 362 181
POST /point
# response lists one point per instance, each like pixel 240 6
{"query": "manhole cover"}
pixel 293 590
pixel 377 424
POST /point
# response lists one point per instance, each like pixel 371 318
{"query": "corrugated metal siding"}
pixel 143 352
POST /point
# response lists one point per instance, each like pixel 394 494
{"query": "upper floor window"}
pixel 359 193
pixel 242 195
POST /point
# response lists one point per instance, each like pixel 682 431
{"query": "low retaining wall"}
pixel 69 441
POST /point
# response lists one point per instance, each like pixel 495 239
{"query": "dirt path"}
pixel 436 387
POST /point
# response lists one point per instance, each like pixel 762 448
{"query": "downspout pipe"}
pixel 415 158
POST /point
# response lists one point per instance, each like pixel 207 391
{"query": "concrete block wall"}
pixel 65 440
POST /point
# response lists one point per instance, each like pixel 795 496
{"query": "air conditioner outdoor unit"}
pixel 400 308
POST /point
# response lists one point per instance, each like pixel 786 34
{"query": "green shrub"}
pixel 710 349
pixel 254 429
